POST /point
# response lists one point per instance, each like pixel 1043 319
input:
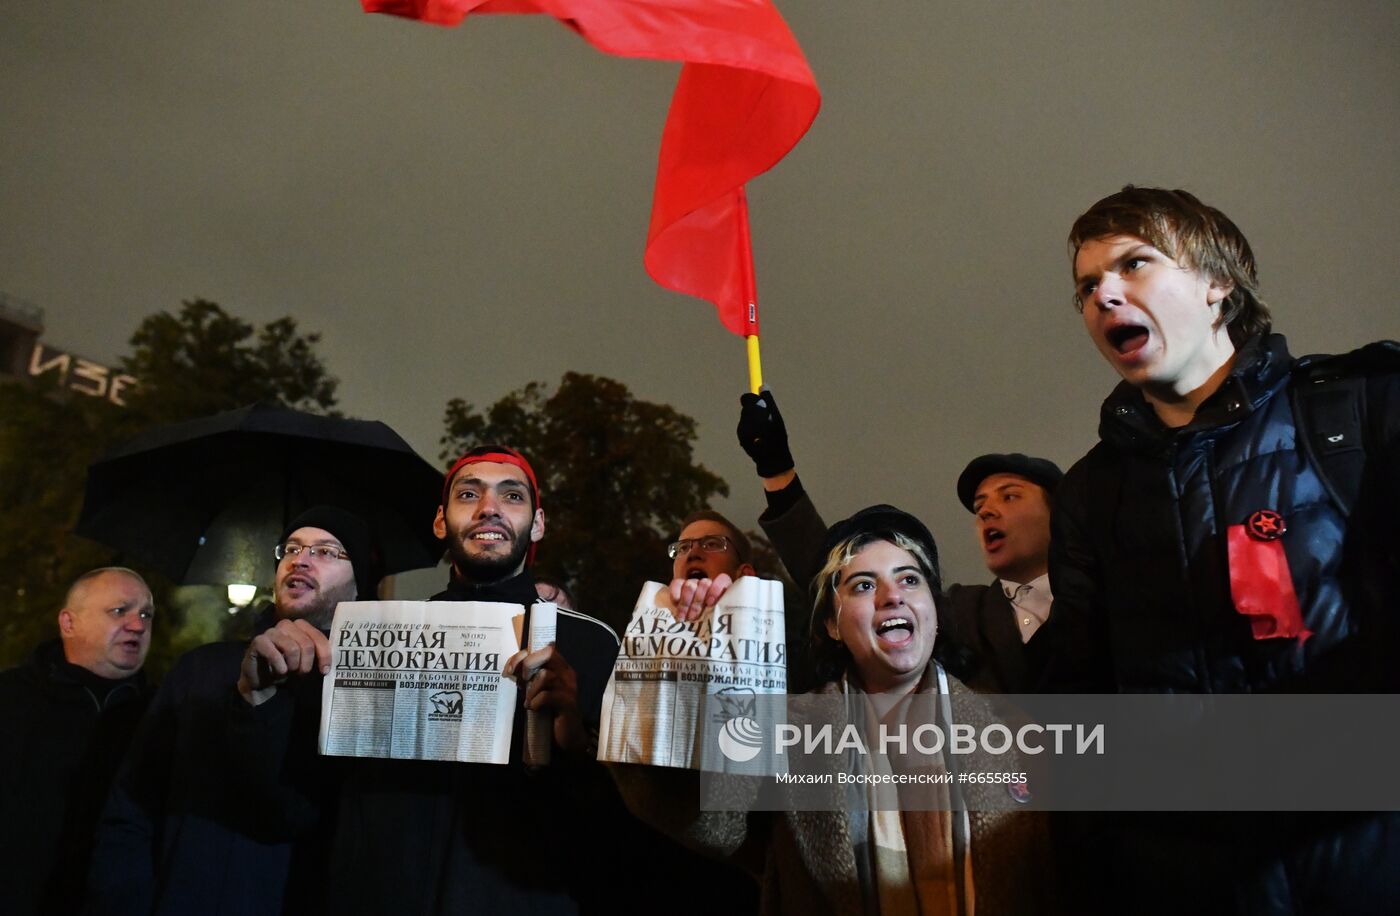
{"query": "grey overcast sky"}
pixel 459 211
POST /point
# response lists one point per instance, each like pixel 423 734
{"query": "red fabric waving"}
pixel 744 99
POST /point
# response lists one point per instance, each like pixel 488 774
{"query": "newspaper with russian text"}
pixel 669 674
pixel 421 680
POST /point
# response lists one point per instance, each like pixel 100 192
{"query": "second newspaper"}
pixel 669 673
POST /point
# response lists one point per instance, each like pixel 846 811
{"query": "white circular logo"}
pixel 741 739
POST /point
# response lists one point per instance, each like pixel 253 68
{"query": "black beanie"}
pixel 358 539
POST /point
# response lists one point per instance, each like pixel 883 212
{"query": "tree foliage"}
pixel 47 438
pixel 195 362
pixel 617 474
pixel 203 360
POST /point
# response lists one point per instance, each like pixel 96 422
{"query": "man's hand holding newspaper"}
pixel 692 596
pixel 552 687
pixel 290 648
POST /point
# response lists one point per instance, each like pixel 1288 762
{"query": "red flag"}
pixel 745 97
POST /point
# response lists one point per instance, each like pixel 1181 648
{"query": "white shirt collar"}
pixel 1030 602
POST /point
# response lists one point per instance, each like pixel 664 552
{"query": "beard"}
pixel 488 567
pixel 320 612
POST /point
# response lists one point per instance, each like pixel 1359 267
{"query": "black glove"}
pixel 763 435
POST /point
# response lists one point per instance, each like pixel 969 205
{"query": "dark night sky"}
pixel 461 211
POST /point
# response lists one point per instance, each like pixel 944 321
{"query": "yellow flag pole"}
pixel 755 367
pixel 750 294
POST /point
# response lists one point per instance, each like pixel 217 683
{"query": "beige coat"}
pixel 805 860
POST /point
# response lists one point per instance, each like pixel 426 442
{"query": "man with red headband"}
pixel 427 837
pixel 492 522
pixel 490 515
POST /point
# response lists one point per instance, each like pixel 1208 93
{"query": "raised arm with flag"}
pixel 744 98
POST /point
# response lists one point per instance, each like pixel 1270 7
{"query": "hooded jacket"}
pixel 1140 565
pixel 1141 573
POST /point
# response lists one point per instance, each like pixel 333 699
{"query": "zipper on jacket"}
pixel 1203 682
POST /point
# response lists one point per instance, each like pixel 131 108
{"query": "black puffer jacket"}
pixel 1143 603
pixel 1139 561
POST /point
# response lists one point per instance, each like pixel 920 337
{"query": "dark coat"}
pixel 428 837
pixel 219 806
pixel 796 531
pixel 981 618
pixel 65 731
pixel 1140 573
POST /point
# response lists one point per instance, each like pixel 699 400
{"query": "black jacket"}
pixel 428 837
pixel 1140 569
pixel 65 731
pixel 981 618
pixel 1139 561
pixel 220 807
pixel 795 529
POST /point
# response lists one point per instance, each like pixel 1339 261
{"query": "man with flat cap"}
pixel 1010 497
pixel 223 804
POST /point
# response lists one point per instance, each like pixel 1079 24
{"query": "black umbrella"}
pixel 205 501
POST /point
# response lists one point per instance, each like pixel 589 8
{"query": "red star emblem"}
pixel 1266 525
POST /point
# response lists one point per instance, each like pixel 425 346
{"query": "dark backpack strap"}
pixel 1329 412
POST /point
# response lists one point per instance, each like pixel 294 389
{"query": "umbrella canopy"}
pixel 205 501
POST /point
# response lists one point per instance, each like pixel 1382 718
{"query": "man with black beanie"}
pixel 223 804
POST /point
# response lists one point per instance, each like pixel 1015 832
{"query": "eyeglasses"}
pixel 710 543
pixel 314 551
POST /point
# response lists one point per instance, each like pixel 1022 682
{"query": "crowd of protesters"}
pixel 1230 532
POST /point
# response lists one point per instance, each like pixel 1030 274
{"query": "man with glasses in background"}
pixel 709 555
pixel 219 806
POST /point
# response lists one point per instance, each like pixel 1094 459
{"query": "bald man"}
pixel 67 715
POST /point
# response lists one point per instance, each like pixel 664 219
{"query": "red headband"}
pixel 496 454
pixel 477 456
